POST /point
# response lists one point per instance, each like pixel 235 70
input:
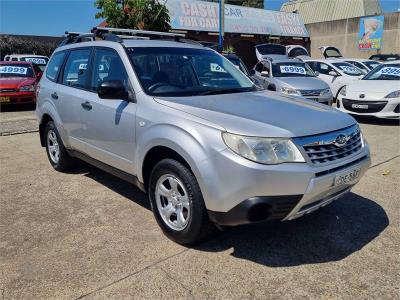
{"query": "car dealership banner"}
pixel 203 16
pixel 370 33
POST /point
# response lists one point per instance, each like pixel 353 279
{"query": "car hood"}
pixel 15 82
pixel 264 113
pixel 303 83
pixel 371 89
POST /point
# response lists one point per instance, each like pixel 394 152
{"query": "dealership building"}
pixel 245 27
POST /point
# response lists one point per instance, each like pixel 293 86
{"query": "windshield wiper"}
pixel 228 91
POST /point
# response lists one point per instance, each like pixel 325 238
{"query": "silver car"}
pixel 293 77
pixel 192 131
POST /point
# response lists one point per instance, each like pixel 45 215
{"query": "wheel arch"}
pixel 46 118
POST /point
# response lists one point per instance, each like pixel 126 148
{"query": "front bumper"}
pixel 247 192
pixel 18 97
pixel 390 110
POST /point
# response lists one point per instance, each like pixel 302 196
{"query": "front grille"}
pixel 310 93
pixel 372 106
pixel 8 90
pixel 333 146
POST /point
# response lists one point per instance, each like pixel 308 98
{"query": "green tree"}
pixel 134 14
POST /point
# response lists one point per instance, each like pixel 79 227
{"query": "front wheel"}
pixel 177 203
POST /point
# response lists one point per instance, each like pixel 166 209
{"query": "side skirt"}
pixel 109 169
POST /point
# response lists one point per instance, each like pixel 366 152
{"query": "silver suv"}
pixel 191 130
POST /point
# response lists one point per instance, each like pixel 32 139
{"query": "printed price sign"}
pixel 216 68
pixel 13 70
pixel 293 69
pixel 35 60
pixel 390 71
pixel 350 70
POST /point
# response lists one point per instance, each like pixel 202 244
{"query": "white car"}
pixel 377 94
pixel 363 63
pixel 39 60
pixel 335 73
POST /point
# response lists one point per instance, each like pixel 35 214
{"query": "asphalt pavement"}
pixel 86 234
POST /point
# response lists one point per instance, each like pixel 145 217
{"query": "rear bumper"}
pixel 18 97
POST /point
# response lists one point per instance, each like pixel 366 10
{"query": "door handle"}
pixel 86 105
pixel 54 96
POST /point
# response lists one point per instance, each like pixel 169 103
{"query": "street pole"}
pixel 221 25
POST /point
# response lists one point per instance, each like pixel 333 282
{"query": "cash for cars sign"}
pixel 370 33
pixel 203 16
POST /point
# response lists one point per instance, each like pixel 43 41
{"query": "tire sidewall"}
pixel 193 229
pixel 62 162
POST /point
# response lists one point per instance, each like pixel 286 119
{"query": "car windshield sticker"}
pixel 35 60
pixel 293 69
pixel 216 68
pixel 395 71
pixel 350 70
pixel 82 66
pixel 13 70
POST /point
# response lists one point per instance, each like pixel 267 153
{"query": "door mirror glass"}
pixel 264 73
pixel 112 89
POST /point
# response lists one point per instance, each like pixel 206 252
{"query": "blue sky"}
pixel 53 17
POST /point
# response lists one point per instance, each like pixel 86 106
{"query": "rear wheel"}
pixel 177 203
pixel 56 152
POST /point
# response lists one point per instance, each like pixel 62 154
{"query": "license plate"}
pixel 348 177
pixel 4 99
pixel 361 106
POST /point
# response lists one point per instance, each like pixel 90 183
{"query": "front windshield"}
pixel 238 64
pixel 167 71
pixel 291 69
pixel 384 72
pixel 41 61
pixel 348 69
pixel 15 70
pixel 371 64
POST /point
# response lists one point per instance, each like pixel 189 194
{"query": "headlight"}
pixel 290 91
pixel 394 94
pixel 263 150
pixel 27 88
pixel 343 91
pixel 325 92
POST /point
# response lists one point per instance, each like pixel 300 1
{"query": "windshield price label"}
pixel 390 71
pixel 293 69
pixel 216 68
pixel 13 70
pixel 38 61
pixel 351 70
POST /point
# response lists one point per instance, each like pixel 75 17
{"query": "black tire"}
pixel 64 162
pixel 198 225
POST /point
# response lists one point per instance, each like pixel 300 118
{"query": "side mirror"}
pixel 264 73
pixel 271 87
pixel 252 72
pixel 316 73
pixel 333 73
pixel 112 89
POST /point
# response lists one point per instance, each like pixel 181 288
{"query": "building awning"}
pixel 203 16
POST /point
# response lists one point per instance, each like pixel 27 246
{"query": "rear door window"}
pixel 54 66
pixel 76 72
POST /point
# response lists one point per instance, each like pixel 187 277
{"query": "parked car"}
pixel 297 51
pixel 39 60
pixel 377 94
pixel 363 64
pixel 335 73
pixel 385 57
pixel 190 129
pixel 18 82
pixel 237 62
pixel 292 77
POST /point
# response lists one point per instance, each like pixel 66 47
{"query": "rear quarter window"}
pixel 54 66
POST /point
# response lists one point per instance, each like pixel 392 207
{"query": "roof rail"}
pixel 77 37
pixel 126 33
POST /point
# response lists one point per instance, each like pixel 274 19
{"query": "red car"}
pixel 18 81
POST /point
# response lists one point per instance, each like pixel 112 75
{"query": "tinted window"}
pixel 297 52
pixel 271 49
pixel 384 72
pixel 166 71
pixel 55 65
pixel 107 66
pixel 76 68
pixel 358 65
pixel 372 64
